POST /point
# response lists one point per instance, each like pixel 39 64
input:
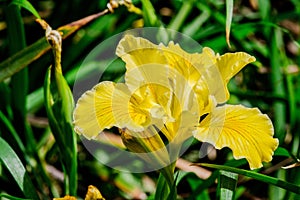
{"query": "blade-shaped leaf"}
pixel 227 185
pixel 149 14
pixel 229 11
pixel 261 177
pixel 19 82
pixel 14 165
pixel 7 196
pixel 162 188
pixel 59 112
pixel 27 5
pixel 183 13
pixel 18 61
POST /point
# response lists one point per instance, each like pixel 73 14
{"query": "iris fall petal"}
pixel 246 131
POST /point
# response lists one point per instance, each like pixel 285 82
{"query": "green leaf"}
pixel 179 19
pixel 7 196
pixel 162 188
pixel 5 101
pixel 27 5
pixel 204 185
pixel 21 59
pixel 14 165
pixel 194 183
pixel 66 97
pixel 196 24
pixel 149 14
pixel 261 177
pixel 59 112
pixel 278 84
pixel 19 82
pixel 12 131
pixel 229 11
pixel 227 185
pixel 49 102
pixel 264 9
pixel 280 151
pixel 173 189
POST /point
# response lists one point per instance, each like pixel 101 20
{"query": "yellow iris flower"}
pixel 171 92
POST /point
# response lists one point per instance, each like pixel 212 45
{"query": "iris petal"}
pixel 220 69
pixel 127 111
pixel 246 131
pixel 229 65
pixel 183 62
pixel 106 105
pixel 137 51
pixel 93 111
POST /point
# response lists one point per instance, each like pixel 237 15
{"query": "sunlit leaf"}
pixel 7 196
pixel 229 11
pixel 27 5
pixel 14 165
pixel 227 185
pixel 261 177
pixel 149 14
pixel 31 53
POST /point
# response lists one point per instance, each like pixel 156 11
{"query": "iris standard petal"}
pixel 220 69
pixel 246 131
pixel 137 51
pixel 229 65
pixel 150 79
pixel 185 74
pixel 182 62
pixel 211 80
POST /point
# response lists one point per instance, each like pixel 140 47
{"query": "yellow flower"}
pixel 171 92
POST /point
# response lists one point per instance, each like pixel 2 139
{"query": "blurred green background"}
pixel 266 29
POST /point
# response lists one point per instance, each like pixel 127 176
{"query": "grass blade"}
pixel 19 82
pixel 204 185
pixel 12 131
pixel 278 84
pixel 162 188
pixel 14 165
pixel 27 5
pixel 149 14
pixel 227 185
pixel 229 11
pixel 261 177
pixel 7 196
pixel 64 136
pixel 22 58
pixel 184 11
